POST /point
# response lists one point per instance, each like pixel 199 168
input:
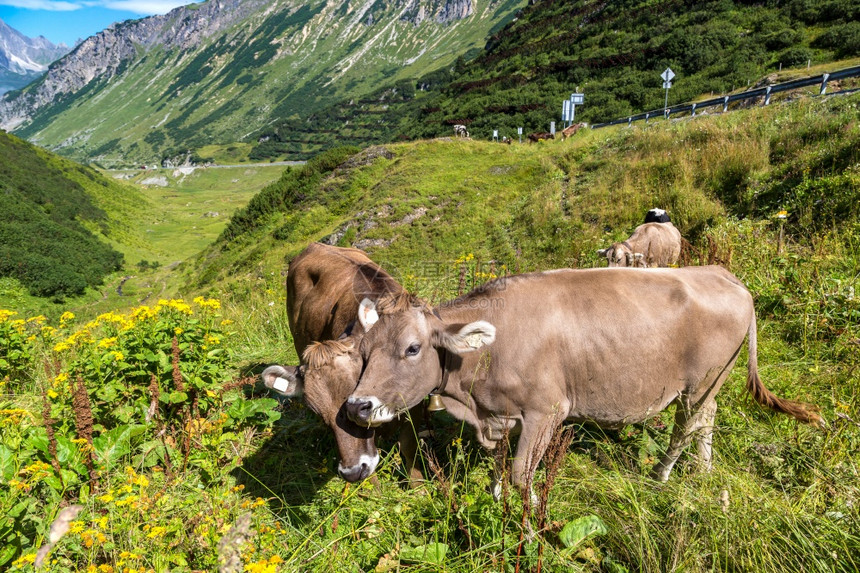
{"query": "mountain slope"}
pixel 416 205
pixel 60 221
pixel 613 51
pixel 221 70
pixel 24 59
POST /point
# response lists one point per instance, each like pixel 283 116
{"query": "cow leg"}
pixel 531 447
pixel 704 441
pixel 409 454
pixel 688 420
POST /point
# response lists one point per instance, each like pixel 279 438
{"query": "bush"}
pixel 796 56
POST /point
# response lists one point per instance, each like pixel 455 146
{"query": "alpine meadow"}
pixel 140 304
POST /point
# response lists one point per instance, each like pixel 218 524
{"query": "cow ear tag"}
pixel 367 314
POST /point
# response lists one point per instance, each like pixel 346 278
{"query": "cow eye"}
pixel 413 349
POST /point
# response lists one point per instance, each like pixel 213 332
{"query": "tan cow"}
pixel 571 130
pixel 324 288
pixel 650 245
pixel 607 346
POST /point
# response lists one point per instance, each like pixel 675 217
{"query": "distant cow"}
pixel 657 216
pixel 521 354
pixel 650 245
pixel 324 287
pixel 460 131
pixel 539 136
pixel 571 130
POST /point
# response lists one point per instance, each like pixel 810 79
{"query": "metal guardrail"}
pixel 766 92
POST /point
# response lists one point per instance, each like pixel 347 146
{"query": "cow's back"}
pixel 612 345
pixel 660 243
pixel 325 285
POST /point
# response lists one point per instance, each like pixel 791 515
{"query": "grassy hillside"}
pixel 186 473
pixel 614 52
pixel 64 218
pixel 54 223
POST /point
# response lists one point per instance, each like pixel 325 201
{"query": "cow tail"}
pixel 799 410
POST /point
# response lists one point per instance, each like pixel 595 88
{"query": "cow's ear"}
pixel 602 252
pixel 287 381
pixel 367 314
pixel 460 338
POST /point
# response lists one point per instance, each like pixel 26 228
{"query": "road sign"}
pixel 565 110
pixel 667 76
pixel 577 99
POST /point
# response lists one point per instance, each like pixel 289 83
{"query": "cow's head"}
pixel 402 361
pixel 329 373
pixel 621 255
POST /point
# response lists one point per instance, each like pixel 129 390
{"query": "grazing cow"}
pixel 608 346
pixel 539 136
pixel 656 216
pixel 571 130
pixel 324 287
pixel 650 245
pixel 460 131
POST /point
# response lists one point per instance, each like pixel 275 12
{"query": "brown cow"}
pixel 607 346
pixel 538 136
pixel 571 130
pixel 324 287
pixel 650 245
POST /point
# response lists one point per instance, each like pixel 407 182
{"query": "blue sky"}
pixel 67 20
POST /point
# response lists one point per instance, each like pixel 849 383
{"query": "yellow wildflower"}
pixel 62 346
pixel 177 331
pixel 52 393
pixel 37 319
pixel 27 559
pixel 156 531
pixel 5 314
pixel 67 316
pixel 106 498
pixel 210 303
pixel 107 342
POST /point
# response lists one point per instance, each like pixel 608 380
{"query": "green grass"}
pixel 782 496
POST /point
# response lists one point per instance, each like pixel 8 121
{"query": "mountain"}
pixel 24 59
pixel 613 52
pixel 220 71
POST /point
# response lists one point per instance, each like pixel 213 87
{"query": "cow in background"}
pixel 656 216
pixel 460 131
pixel 650 245
pixel 325 285
pixel 571 130
pixel 540 136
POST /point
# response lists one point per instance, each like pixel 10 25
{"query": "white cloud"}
pixel 143 7
pixel 146 7
pixel 50 5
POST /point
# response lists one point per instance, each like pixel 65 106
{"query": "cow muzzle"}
pixel 360 471
pixel 368 411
